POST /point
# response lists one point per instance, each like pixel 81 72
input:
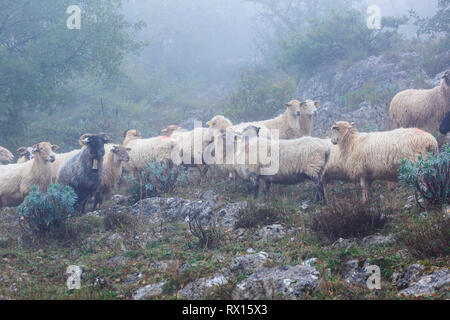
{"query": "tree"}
pixel 39 54
pixel 437 25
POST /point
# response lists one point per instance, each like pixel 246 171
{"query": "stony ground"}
pixel 212 241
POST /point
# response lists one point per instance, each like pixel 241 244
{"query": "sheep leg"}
pixel 266 190
pixel 320 192
pixel 365 190
pixel 256 187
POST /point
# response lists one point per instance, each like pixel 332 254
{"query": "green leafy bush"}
pixel 429 177
pixel 43 213
pixel 157 178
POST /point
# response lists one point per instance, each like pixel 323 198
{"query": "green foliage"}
pixel 429 177
pixel 260 95
pixel 376 95
pixel 39 54
pixel 156 179
pixel 437 25
pixel 342 34
pixel 43 213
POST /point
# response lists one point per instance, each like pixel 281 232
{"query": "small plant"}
pixel 347 219
pixel 253 216
pixel 207 233
pixel 118 220
pixel 429 177
pixel 157 178
pixel 44 213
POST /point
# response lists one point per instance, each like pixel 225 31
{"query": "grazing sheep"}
pixel 6 155
pixel 282 161
pixel 377 155
pixel 17 179
pixel 191 146
pixel 83 171
pixel 144 151
pixel 130 135
pixel 25 154
pixel 422 108
pixel 295 122
pixel 112 171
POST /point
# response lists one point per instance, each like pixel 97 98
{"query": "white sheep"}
pixel 282 161
pixel 130 135
pixel 366 157
pixel 17 179
pixel 422 108
pixel 25 154
pixel 295 122
pixel 112 171
pixel 6 155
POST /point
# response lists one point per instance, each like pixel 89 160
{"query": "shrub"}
pixel 118 220
pixel 205 231
pixel 426 237
pixel 429 177
pixel 253 216
pixel 44 214
pixel 156 179
pixel 346 219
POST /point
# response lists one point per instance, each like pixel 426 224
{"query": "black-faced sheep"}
pixel 366 157
pixel 444 127
pixel 6 155
pixel 112 171
pixel 83 172
pixel 17 179
pixel 422 108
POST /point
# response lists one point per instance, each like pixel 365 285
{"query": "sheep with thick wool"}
pixel 295 122
pixel 112 171
pixel 191 145
pixel 25 154
pixel 6 155
pixel 130 135
pixel 366 157
pixel 16 180
pixel 422 108
pixel 281 161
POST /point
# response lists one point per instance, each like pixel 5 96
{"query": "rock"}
pixel 199 288
pixel 249 263
pixel 354 274
pixel 117 261
pixel 149 291
pixel 164 266
pixel 272 232
pixel 287 282
pixel 309 262
pixel 378 239
pixel 116 241
pixel 411 274
pixel 429 284
pixel 403 253
pixel 342 243
pixel 131 278
pixel 120 199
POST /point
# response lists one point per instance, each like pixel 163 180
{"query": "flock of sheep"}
pixel 250 150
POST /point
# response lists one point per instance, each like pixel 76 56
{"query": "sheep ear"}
pixel 106 138
pixel 125 133
pixel 55 147
pixel 317 104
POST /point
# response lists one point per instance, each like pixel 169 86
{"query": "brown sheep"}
pixel 6 155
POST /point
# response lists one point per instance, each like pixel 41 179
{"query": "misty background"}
pixel 147 64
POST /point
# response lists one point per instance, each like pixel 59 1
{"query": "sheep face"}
pixel 339 131
pixel 26 153
pixel 307 108
pixel 6 155
pixel 121 153
pixel 446 77
pixel 44 151
pixel 95 144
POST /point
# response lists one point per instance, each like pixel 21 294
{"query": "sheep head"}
pixel 6 155
pixel 95 144
pixel 26 152
pixel 132 133
pixel 220 123
pixel 340 130
pixel 121 153
pixel 170 129
pixel 44 151
pixel 446 77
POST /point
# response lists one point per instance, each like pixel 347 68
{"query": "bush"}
pixel 44 214
pixel 426 237
pixel 158 178
pixel 118 220
pixel 346 219
pixel 253 216
pixel 207 233
pixel 429 177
